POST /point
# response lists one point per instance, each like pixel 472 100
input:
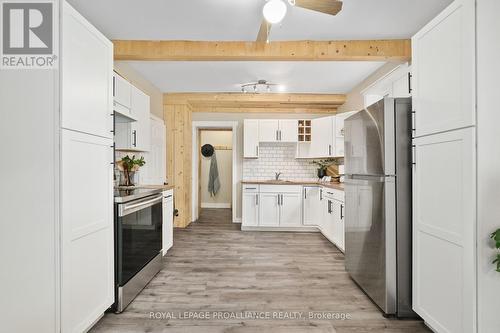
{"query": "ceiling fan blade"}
pixel 331 7
pixel 265 29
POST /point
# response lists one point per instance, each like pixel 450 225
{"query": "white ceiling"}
pixel 227 76
pixel 240 19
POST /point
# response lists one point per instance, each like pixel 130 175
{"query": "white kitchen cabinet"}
pixel 322 139
pixel 168 221
pixel 140 129
pixel 401 86
pixel 251 138
pixel 122 92
pixel 86 86
pixel 338 229
pixel 395 84
pixel 291 210
pixel 288 130
pixel 269 209
pixel 311 206
pixel 268 130
pixel 87 250
pixel 443 66
pixel 153 172
pixel 443 230
pixel 136 135
pixel 250 205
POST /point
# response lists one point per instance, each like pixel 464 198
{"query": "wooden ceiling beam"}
pixel 396 50
pixel 299 110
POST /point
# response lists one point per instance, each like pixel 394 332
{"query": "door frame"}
pixel 211 125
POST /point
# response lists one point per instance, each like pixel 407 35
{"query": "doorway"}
pixel 222 136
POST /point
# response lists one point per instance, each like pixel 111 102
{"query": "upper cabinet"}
pixel 121 95
pixel 323 142
pixel 251 138
pixel 86 77
pixel 271 130
pixel 396 84
pixel 132 124
pixel 444 71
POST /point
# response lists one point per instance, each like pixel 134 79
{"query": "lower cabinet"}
pixel 168 220
pixel 295 206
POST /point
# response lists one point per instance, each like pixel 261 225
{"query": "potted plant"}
pixel 496 237
pixel 128 166
pixel 323 165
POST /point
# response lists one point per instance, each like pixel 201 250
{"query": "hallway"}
pixel 215 267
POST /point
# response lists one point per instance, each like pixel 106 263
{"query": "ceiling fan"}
pixel 275 10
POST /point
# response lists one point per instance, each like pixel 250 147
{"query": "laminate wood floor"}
pixel 216 268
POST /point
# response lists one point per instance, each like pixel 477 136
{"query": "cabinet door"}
pixel 291 210
pixel 443 65
pixel 168 221
pixel 140 129
pixel 250 138
pixel 268 130
pixel 250 208
pixel 269 210
pixel 322 137
pixel 87 77
pixel 338 223
pixel 122 90
pixel 288 130
pixel 87 248
pixel 328 223
pixel 311 205
pixel 444 230
pixel 153 172
pixel 401 86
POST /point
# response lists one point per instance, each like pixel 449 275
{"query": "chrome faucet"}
pixel 277 175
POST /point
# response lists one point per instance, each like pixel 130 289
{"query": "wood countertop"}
pixel 333 185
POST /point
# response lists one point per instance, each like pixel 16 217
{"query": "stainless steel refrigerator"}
pixel 378 203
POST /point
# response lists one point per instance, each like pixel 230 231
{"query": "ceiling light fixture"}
pixel 274 11
pixel 259 87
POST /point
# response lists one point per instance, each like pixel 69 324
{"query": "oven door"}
pixel 138 235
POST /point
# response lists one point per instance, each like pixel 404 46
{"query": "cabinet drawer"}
pixel 281 189
pixel 249 188
pixel 333 194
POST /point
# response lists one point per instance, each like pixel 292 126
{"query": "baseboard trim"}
pixel 215 205
pixel 293 229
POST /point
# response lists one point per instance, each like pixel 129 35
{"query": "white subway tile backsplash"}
pixel 278 157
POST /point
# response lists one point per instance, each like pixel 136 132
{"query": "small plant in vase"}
pixel 323 165
pixel 128 166
pixel 496 237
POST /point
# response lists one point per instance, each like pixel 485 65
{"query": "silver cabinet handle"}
pixel 134 135
pixel 257 150
pixel 305 193
pixel 256 199
pixel 329 149
pixel 341 211
pixel 280 135
pixel 321 194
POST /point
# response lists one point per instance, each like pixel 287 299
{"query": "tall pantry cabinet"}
pixel 444 224
pixel 58 244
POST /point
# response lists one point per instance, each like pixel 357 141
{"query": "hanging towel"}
pixel 213 177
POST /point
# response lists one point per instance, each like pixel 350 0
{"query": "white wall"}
pixel 488 161
pixel 224 163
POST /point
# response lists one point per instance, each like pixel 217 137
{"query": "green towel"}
pixel 213 177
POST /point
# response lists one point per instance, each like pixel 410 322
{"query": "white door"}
pixel 250 208
pixel 291 210
pixel 269 215
pixel 311 205
pixel 289 130
pixel 168 221
pixel 250 138
pixel 87 248
pixel 141 129
pixel 444 230
pixel 268 130
pixel 87 77
pixel 443 65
